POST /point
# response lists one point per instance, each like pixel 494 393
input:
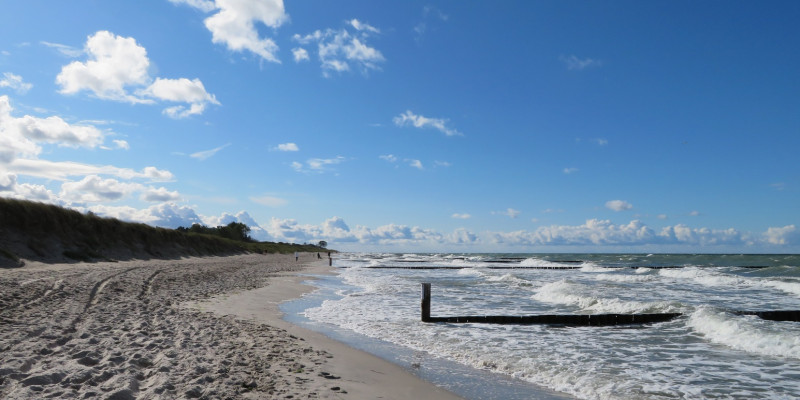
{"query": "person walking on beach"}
pixel 295 256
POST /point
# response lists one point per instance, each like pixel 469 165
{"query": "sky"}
pixel 436 126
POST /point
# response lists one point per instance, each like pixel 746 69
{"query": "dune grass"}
pixel 44 231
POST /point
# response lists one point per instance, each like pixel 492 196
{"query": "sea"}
pixel 711 351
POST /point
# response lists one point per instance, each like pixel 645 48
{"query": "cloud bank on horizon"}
pixel 420 130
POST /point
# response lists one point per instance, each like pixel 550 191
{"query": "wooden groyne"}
pixel 581 319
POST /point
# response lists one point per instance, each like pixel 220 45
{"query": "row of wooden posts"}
pixel 582 319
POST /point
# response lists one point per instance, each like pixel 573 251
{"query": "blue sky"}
pixel 414 126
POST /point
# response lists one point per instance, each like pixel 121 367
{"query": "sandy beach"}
pixel 206 328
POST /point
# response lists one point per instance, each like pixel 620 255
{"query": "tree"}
pixel 322 244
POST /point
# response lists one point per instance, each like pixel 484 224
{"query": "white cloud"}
pixel 114 63
pixel 65 50
pixel 206 154
pixel 618 205
pixel 389 157
pixel 570 170
pixel 287 147
pixel 117 65
pixel 121 144
pixel 339 49
pixel 158 195
pixel 662 216
pixel 415 163
pixel 62 170
pixel 418 121
pixel 300 54
pixel 574 63
pixel 182 91
pixel 462 237
pixel 694 213
pixel 443 164
pixel 635 233
pixel 14 82
pixel 317 165
pixel 601 142
pixel 461 216
pixel 93 189
pixel 157 175
pixel 234 24
pixel 786 235
pixel 360 26
pixel 9 187
pixel 269 201
pixel 19 137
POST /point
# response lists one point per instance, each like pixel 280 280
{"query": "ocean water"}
pixel 709 352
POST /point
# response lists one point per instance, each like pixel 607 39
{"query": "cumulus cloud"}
pixel 157 195
pixel 117 69
pixel 94 189
pixel 339 49
pixel 256 231
pixel 181 91
pixel 121 144
pixel 618 205
pixel 114 63
pixel 14 82
pixel 786 235
pixel 234 23
pixel 419 121
pixel 20 137
pixel 461 216
pixel 462 237
pixel 300 54
pixel 388 157
pixel 287 147
pixel 575 63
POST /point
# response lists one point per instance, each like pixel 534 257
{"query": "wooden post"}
pixel 426 302
pixel 330 261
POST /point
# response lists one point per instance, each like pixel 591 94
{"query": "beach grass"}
pixel 33 230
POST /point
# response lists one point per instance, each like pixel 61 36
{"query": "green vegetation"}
pixel 234 231
pixel 46 232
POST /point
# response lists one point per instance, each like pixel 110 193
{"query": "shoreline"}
pixel 429 377
pixel 206 327
pixel 362 375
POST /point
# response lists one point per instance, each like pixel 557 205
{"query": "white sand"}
pixel 190 328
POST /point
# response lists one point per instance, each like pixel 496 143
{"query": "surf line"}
pixel 580 319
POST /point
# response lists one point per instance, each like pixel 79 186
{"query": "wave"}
pixel 745 333
pixel 571 294
pixel 539 263
pixel 713 278
pixel 624 278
